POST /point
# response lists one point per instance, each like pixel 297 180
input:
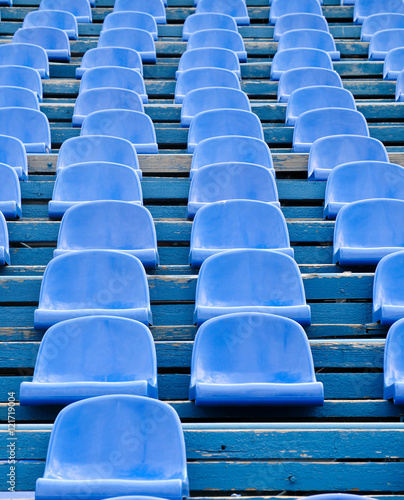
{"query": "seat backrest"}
pixel 366 8
pixel 28 125
pixel 297 78
pixel 114 77
pixel 310 38
pixel 209 57
pixel 389 280
pixel 97 148
pixel 131 38
pixel 112 56
pixel 211 20
pixel 251 348
pixel 52 18
pixel 79 8
pixel 12 152
pixel 301 20
pixel 233 8
pixel 92 100
pixel 393 62
pixel 44 36
pixel 9 184
pixel 18 97
pixel 380 22
pixel 197 78
pixel 249 278
pixel 4 240
pixel 299 58
pixel 128 19
pixel 97 181
pixel 24 54
pixel 148 435
pixel 221 38
pixel 21 76
pixel 393 350
pixel 152 7
pixel 280 8
pixel 386 40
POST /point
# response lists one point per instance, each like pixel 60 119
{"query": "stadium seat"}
pixel 388 304
pixel 101 355
pixel 110 56
pixel 211 57
pixel 4 244
pixel 149 463
pixel 394 364
pixel 10 192
pixel 81 9
pixel 93 283
pixel 231 148
pixel 6 2
pixel 94 181
pixel 366 8
pixel 400 87
pixel 329 152
pixel 28 125
pixel 209 98
pixel 198 78
pixel 109 225
pixel 237 224
pixel 218 122
pixel 295 79
pixel 18 97
pixel 21 76
pixel 53 40
pixel 131 38
pixel 54 19
pixel 298 21
pixel 393 63
pixel 313 125
pixel 97 148
pixel 231 181
pixel 134 126
pixel 309 98
pixel 222 39
pixel 153 7
pixel 380 22
pixel 12 153
pixel 312 39
pixel 250 281
pixel 207 21
pixel 252 359
pixel 25 54
pixel 384 41
pixel 367 230
pixel 362 180
pixel 280 8
pixel 234 8
pixel 299 58
pixel 93 100
pixel 128 19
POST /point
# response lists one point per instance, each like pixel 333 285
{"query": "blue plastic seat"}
pixel 237 224
pixel 129 19
pixel 250 281
pixel 211 57
pixel 97 148
pixel 299 58
pixel 12 153
pixel 400 87
pixel 329 152
pixel 18 97
pixel 198 78
pixel 384 41
pixel 10 192
pixel 393 63
pixel 6 2
pixel 301 20
pixel 134 126
pixel 234 8
pixel 93 283
pixel 153 7
pixel 4 243
pixel 295 79
pixel 394 361
pixel 94 181
pixel 110 56
pixel 231 181
pixel 131 38
pixel 109 225
pixel 367 230
pixel 388 304
pixel 380 22
pixel 222 39
pixel 208 98
pixel 28 125
pixel 271 364
pixel 313 125
pixel 147 437
pixel 366 8
pixel 101 355
pixel 24 54
pixel 362 180
pixel 308 98
pixel 207 21
pixel 81 9
pixel 54 19
pixel 53 40
pixel 218 122
pixel 280 8
pixel 308 38
pixel 21 76
pixel 93 100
